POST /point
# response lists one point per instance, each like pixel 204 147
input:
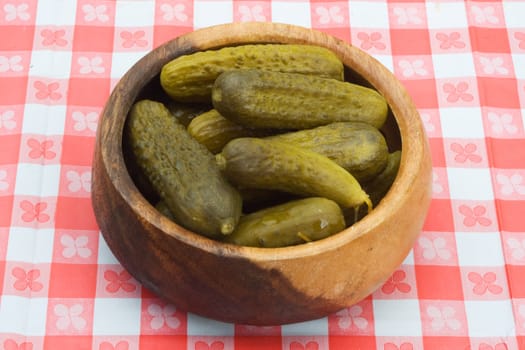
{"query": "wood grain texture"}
pixel 260 286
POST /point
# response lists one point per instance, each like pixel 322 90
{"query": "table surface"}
pixel 461 287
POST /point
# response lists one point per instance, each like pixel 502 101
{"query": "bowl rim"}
pixel 411 129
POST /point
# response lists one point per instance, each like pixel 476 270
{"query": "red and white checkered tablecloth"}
pixel 461 287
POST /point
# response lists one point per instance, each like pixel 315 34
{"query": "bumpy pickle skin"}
pixel 295 222
pixel 190 77
pixel 259 163
pixel 358 147
pixel 182 171
pixel 379 186
pixel 275 100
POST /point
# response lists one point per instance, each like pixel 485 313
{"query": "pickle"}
pixel 190 77
pixel 287 224
pixel 358 147
pixel 379 186
pixel 214 131
pixel 260 163
pixel 274 100
pixel 182 171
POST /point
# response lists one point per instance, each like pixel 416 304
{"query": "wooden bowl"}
pixel 260 286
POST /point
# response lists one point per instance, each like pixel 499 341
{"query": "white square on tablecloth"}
pixel 208 13
pixel 459 65
pixel 518 61
pixel 37 180
pixel 479 249
pixel 117 316
pixel 513 12
pixel 449 15
pixel 490 318
pixel 368 14
pixel 30 245
pixel 462 122
pixel 470 183
pixel 297 13
pixel 105 256
pixel 25 316
pixel 198 325
pixel 50 64
pixel 397 318
pixel 43 119
pixel 316 327
pixel 121 62
pixel 134 13
pixel 56 12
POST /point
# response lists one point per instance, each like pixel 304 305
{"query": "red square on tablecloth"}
pixel 498 92
pixel 350 343
pixel 13 90
pixel 257 342
pixel 79 342
pixel 9 149
pixel 489 39
pixel 78 150
pixel 439 216
pixel 163 342
pixel 410 41
pixel 164 33
pixel 423 92
pixel 75 214
pixel 6 207
pixel 507 153
pixel 437 152
pixel 88 92
pixel 446 343
pixel 515 277
pixel 439 282
pixel 93 38
pixel 17 38
pixel 72 281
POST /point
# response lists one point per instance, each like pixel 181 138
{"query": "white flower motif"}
pixel 350 316
pixel 517 248
pixel 13 12
pixel 4 185
pixel 75 246
pixel 174 12
pixel 427 122
pixel 436 186
pixel 251 13
pixel 79 181
pixel 163 315
pixel 10 64
pixel 407 15
pixel 410 69
pixel 485 14
pixel 91 65
pixel 493 65
pixel 6 120
pixel 442 318
pixel 511 184
pixel 85 121
pixel 502 123
pixel 67 316
pixel 92 13
pixel 434 248
pixel 329 14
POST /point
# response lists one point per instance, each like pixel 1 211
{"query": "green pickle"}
pixel 291 223
pixel 259 163
pixel 275 100
pixel 182 171
pixel 358 147
pixel 379 186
